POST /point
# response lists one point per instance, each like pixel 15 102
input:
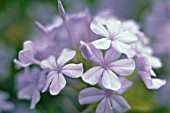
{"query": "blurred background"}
pixel 17 24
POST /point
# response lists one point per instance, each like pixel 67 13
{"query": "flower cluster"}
pixel 158 26
pixel 116 49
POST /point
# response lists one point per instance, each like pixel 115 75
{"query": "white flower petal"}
pixel 57 84
pixel 93 75
pixel 126 37
pixel 123 67
pixel 151 83
pixel 65 56
pixel 103 43
pixel 98 28
pixel 73 70
pixel 110 80
pixel 49 63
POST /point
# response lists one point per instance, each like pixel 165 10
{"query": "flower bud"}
pixel 85 50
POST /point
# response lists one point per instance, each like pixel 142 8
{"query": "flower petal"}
pixel 125 85
pixel 65 56
pixel 90 95
pixel 151 83
pixel 103 43
pixel 111 55
pixel 57 84
pixel 123 67
pixel 73 70
pixel 49 63
pixel 49 79
pixel 104 106
pixel 98 28
pixel 26 58
pixel 93 75
pixel 119 104
pixel 110 80
pixel 97 55
pixel 113 26
pixel 154 62
pixel 35 98
pixel 121 47
pixel 126 37
pixel 29 45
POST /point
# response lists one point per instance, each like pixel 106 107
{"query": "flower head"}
pixel 110 101
pixel 30 85
pixel 57 69
pixel 145 72
pixel 107 68
pixel 113 33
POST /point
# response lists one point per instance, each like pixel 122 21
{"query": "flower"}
pixel 145 72
pixel 4 104
pixel 55 79
pixel 27 55
pixel 115 35
pixel 30 85
pixel 107 66
pixel 110 102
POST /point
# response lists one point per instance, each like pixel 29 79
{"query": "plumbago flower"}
pixel 57 69
pixel 108 66
pixel 114 35
pixel 4 104
pixel 145 72
pixel 110 101
pixel 30 85
pixel 27 55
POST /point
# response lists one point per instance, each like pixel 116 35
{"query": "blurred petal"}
pixel 121 47
pixel 126 37
pixel 29 45
pixel 155 62
pixel 73 70
pixel 123 67
pixel 93 75
pixel 90 95
pixel 57 84
pixel 26 58
pixel 35 99
pixel 125 85
pixel 65 56
pixel 119 104
pixel 110 80
pixel 103 43
pixel 49 63
pixel 104 106
pixel 151 83
pixel 113 26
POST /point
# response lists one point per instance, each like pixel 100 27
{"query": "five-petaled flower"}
pixel 114 35
pixel 145 72
pixel 55 79
pixel 111 101
pixel 107 66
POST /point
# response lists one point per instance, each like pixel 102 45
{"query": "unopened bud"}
pixel 85 50
pixel 61 10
